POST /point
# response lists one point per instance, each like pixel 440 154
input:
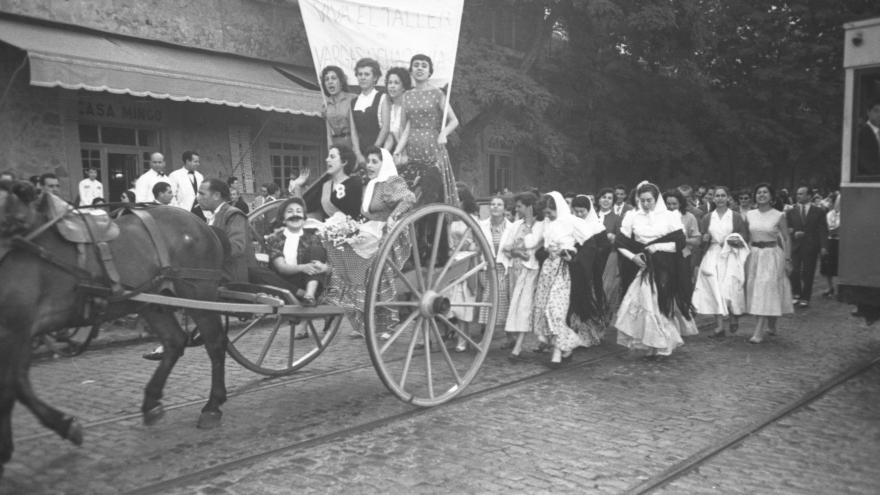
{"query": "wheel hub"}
pixel 433 303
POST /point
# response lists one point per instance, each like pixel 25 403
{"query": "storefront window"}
pixel 287 159
pixel 89 134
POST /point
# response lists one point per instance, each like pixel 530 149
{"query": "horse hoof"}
pixel 75 433
pixel 209 420
pixel 152 416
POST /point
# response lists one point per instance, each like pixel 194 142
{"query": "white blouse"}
pixel 648 227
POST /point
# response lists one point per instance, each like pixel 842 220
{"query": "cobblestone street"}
pixel 605 423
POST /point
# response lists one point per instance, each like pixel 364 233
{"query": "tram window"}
pixel 866 136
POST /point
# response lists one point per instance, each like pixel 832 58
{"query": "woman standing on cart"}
pixel 386 198
pixel 428 171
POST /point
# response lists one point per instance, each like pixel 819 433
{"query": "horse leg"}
pixel 64 425
pixel 7 401
pixel 212 331
pixel 173 338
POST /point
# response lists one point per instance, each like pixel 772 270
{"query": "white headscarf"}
pixel 568 230
pixel 386 171
pixel 660 206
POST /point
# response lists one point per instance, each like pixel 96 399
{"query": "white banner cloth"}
pixel 341 32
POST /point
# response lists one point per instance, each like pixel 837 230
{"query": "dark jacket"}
pixel 234 223
pixel 868 158
pixel 814 227
pixel 349 203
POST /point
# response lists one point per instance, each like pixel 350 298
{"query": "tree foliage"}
pixel 728 91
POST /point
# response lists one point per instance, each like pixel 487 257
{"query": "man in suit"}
pixel 185 181
pixel 163 193
pixel 869 142
pixel 143 187
pixel 213 198
pixel 620 205
pixel 809 238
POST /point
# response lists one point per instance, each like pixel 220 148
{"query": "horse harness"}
pixel 86 230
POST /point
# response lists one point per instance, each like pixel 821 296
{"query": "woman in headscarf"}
pixel 588 313
pixel 550 315
pixel 656 310
pixel 526 235
pixel 720 286
pixel 385 199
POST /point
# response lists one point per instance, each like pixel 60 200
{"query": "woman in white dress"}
pixel 720 286
pixel 656 310
pixel 550 315
pixel 518 249
pixel 463 292
pixel 768 290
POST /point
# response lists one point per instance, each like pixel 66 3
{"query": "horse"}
pixel 48 295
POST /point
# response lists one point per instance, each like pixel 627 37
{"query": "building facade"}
pixel 103 84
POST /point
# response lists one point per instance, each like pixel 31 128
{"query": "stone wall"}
pixel 32 129
pixel 270 30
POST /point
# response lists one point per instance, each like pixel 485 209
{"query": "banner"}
pixel 341 32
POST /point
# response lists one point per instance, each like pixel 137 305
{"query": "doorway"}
pixel 122 168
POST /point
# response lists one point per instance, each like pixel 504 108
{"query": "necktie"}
pixel 192 180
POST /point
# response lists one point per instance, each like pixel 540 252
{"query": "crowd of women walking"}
pixel 640 262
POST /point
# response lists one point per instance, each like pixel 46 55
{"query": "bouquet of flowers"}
pixel 340 229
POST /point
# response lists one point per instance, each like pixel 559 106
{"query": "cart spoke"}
pixel 409 354
pixel 401 275
pixel 246 330
pixel 460 332
pixel 290 344
pixel 470 273
pixel 428 372
pixel 450 261
pixel 472 304
pixel 445 352
pixel 435 246
pixel 417 261
pixel 268 343
pixel 400 328
pixel 314 332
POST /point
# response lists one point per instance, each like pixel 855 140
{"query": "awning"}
pixel 73 58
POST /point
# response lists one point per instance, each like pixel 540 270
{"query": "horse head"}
pixel 17 209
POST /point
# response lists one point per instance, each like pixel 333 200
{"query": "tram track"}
pixel 199 475
pixel 706 454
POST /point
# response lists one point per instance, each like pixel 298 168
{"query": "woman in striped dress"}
pixel 494 229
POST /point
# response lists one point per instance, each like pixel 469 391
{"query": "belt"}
pixel 340 134
pixel 767 244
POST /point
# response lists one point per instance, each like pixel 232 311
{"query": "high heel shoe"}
pixel 756 340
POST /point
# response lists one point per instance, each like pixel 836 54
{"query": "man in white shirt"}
pixel 143 188
pixel 185 181
pixel 90 188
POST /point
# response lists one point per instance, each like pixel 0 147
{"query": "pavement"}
pixel 607 423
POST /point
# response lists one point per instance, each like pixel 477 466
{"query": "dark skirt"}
pixel 828 263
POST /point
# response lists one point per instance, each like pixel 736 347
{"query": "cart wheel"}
pixel 267 343
pixel 415 361
pixel 67 342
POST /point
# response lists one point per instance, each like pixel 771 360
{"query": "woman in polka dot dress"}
pixel 428 171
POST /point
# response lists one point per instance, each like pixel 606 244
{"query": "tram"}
pixel 859 264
